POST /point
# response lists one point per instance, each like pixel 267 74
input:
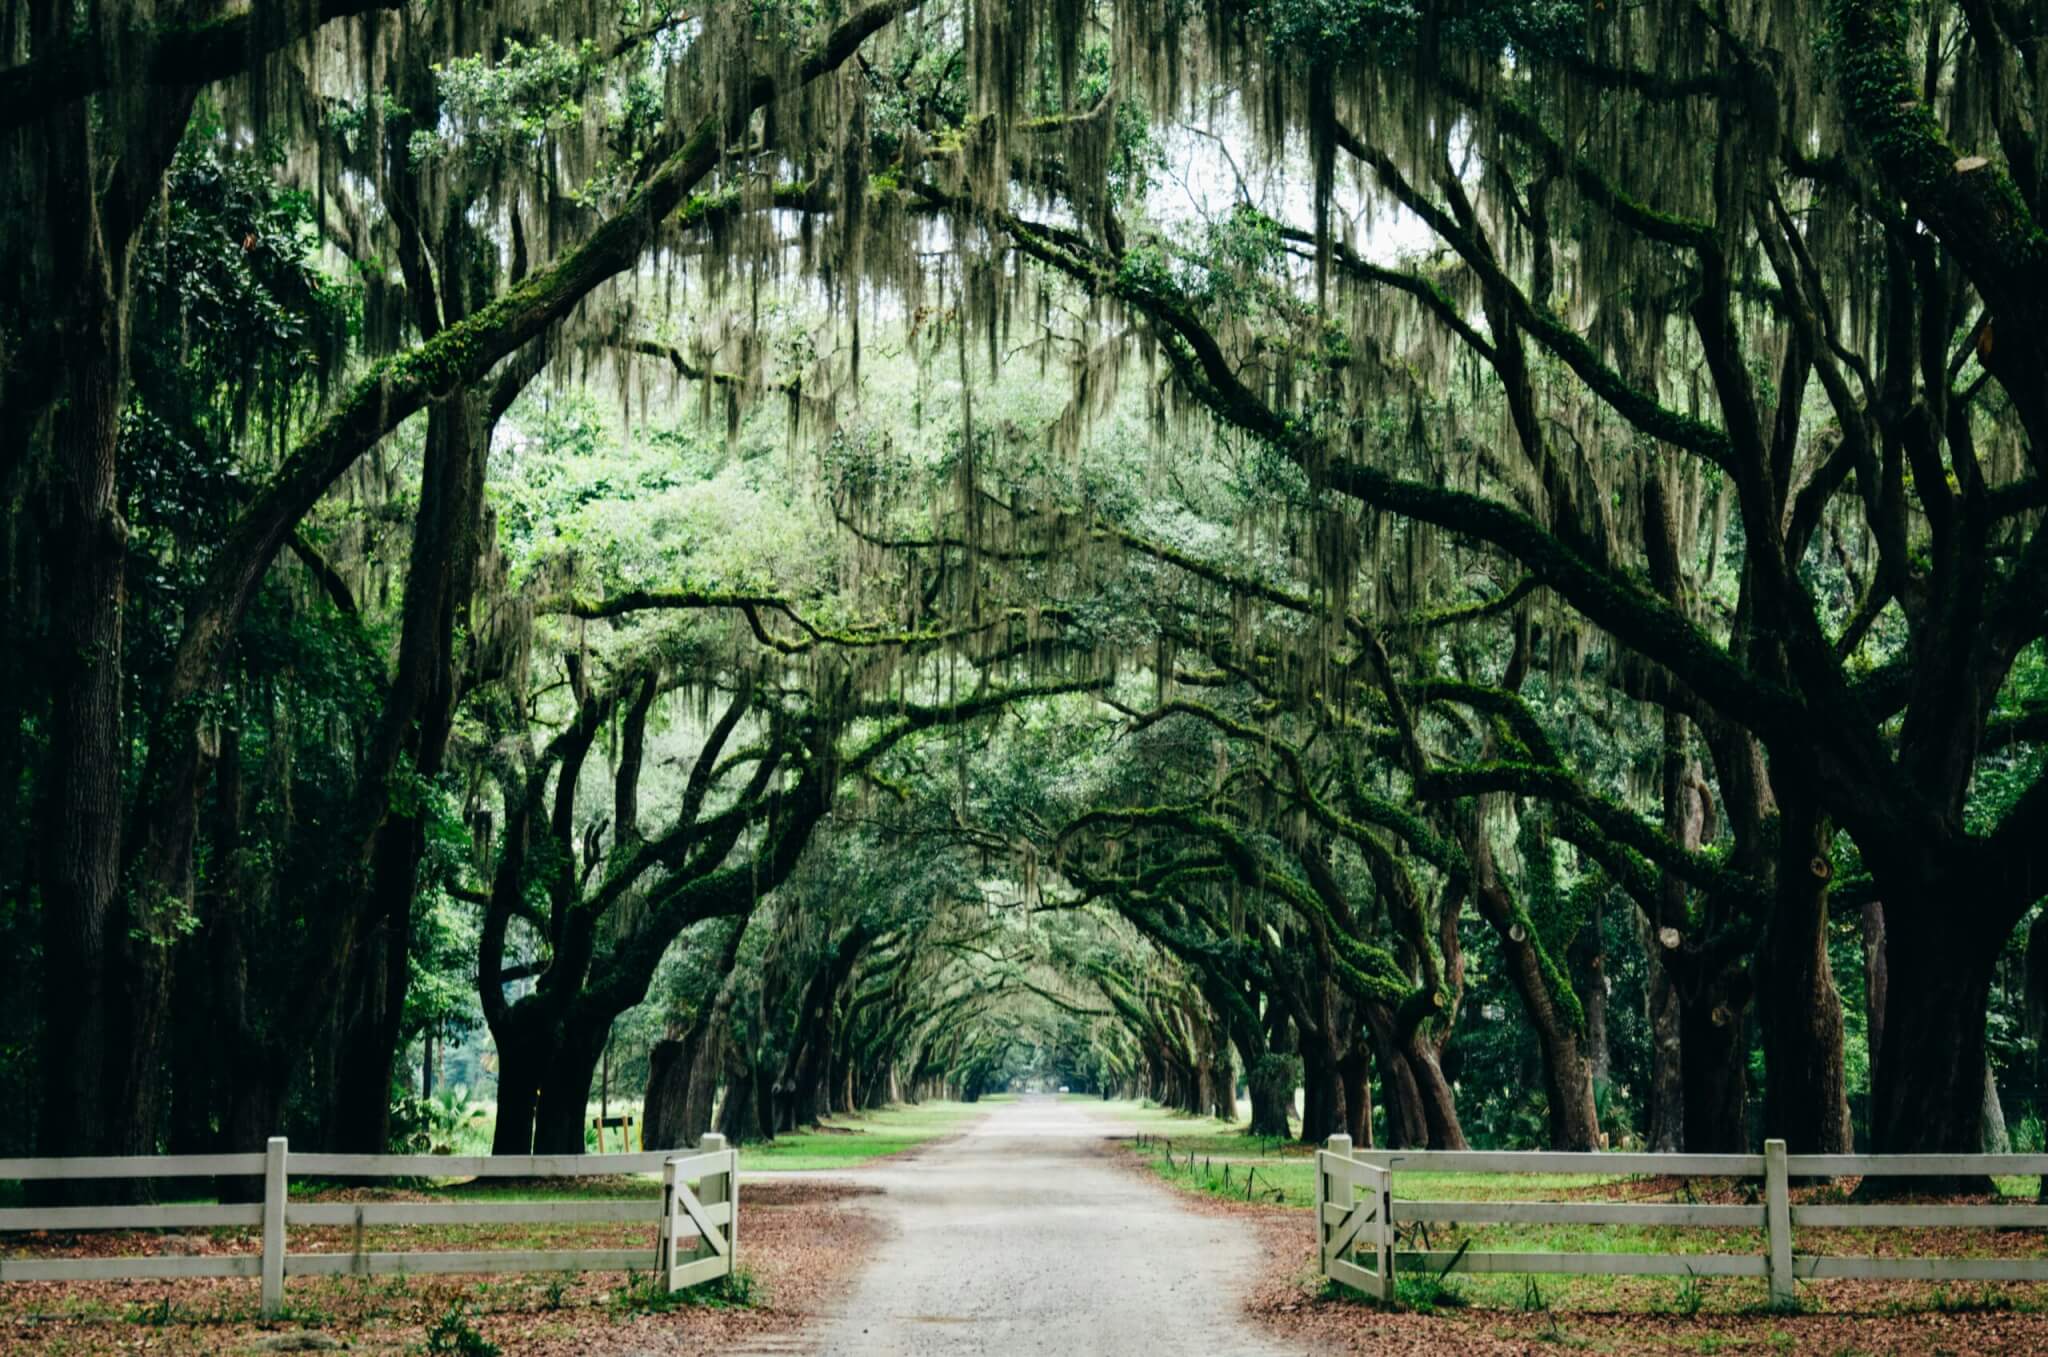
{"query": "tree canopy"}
pixel 1478 560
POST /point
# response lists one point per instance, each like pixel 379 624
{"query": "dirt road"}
pixel 1022 1237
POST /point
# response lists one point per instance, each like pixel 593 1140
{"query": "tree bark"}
pixel 1270 1082
pixel 1666 1129
pixel 1806 1091
pixel 1356 1074
pixel 1875 981
pixel 1716 1070
pixel 671 1065
pixel 91 1102
pixel 558 1120
pixel 1574 1124
pixel 1438 1101
pixel 1929 1090
pixel 1407 1127
pixel 411 742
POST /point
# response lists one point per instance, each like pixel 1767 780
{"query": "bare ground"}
pixel 1289 1304
pixel 799 1243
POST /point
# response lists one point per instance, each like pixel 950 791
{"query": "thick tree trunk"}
pixel 1356 1074
pixel 1438 1101
pixel 194 1059
pixel 1407 1127
pixel 415 728
pixel 1806 1091
pixel 1574 1124
pixel 376 981
pixel 559 1117
pixel 1714 1031
pixel 671 1065
pixel 1591 956
pixel 80 839
pixel 1323 1112
pixel 1270 1083
pixel 1665 1133
pixel 256 1095
pixel 738 1121
pixel 520 1068
pixel 1929 1091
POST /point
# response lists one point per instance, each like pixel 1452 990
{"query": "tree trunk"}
pixel 1592 959
pixel 559 1117
pixel 1666 1130
pixel 1322 1102
pixel 1356 1072
pixel 80 839
pixel 1433 1091
pixel 412 737
pixel 1875 982
pixel 1929 1094
pixel 1568 1081
pixel 1716 1070
pixel 1407 1127
pixel 375 983
pixel 257 1089
pixel 519 1079
pixel 671 1066
pixel 1996 1139
pixel 1270 1082
pixel 737 1120
pixel 1806 1090
pixel 1665 926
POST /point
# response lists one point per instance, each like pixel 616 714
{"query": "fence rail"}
pixel 1358 1215
pixel 700 1199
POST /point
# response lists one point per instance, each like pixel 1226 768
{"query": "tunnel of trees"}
pixel 1468 572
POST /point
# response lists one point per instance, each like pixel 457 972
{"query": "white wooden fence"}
pixel 710 1212
pixel 1358 1216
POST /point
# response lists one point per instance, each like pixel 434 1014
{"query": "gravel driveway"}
pixel 1022 1237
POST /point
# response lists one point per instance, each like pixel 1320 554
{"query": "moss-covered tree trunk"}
pixel 1806 1090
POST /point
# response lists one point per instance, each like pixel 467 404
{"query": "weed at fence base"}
pixel 455 1336
pixel 648 1294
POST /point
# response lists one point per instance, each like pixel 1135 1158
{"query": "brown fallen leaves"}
pixel 798 1239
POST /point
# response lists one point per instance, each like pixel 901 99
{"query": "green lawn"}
pixel 1229 1163
pixel 1226 1158
pixel 841 1143
pixel 849 1141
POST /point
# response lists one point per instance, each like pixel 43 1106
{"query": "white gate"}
pixel 1354 1208
pixel 710 1211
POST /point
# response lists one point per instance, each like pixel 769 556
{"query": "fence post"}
pixel 727 1189
pixel 1383 1229
pixel 665 1247
pixel 1778 1224
pixel 1325 1231
pixel 273 1226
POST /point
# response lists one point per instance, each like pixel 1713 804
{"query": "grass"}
pixel 1225 1159
pixel 848 1142
pixel 648 1294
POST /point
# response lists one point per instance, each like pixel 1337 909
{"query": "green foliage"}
pixel 509 103
pixel 1427 1293
pixel 648 1294
pixel 435 1124
pixel 454 1334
